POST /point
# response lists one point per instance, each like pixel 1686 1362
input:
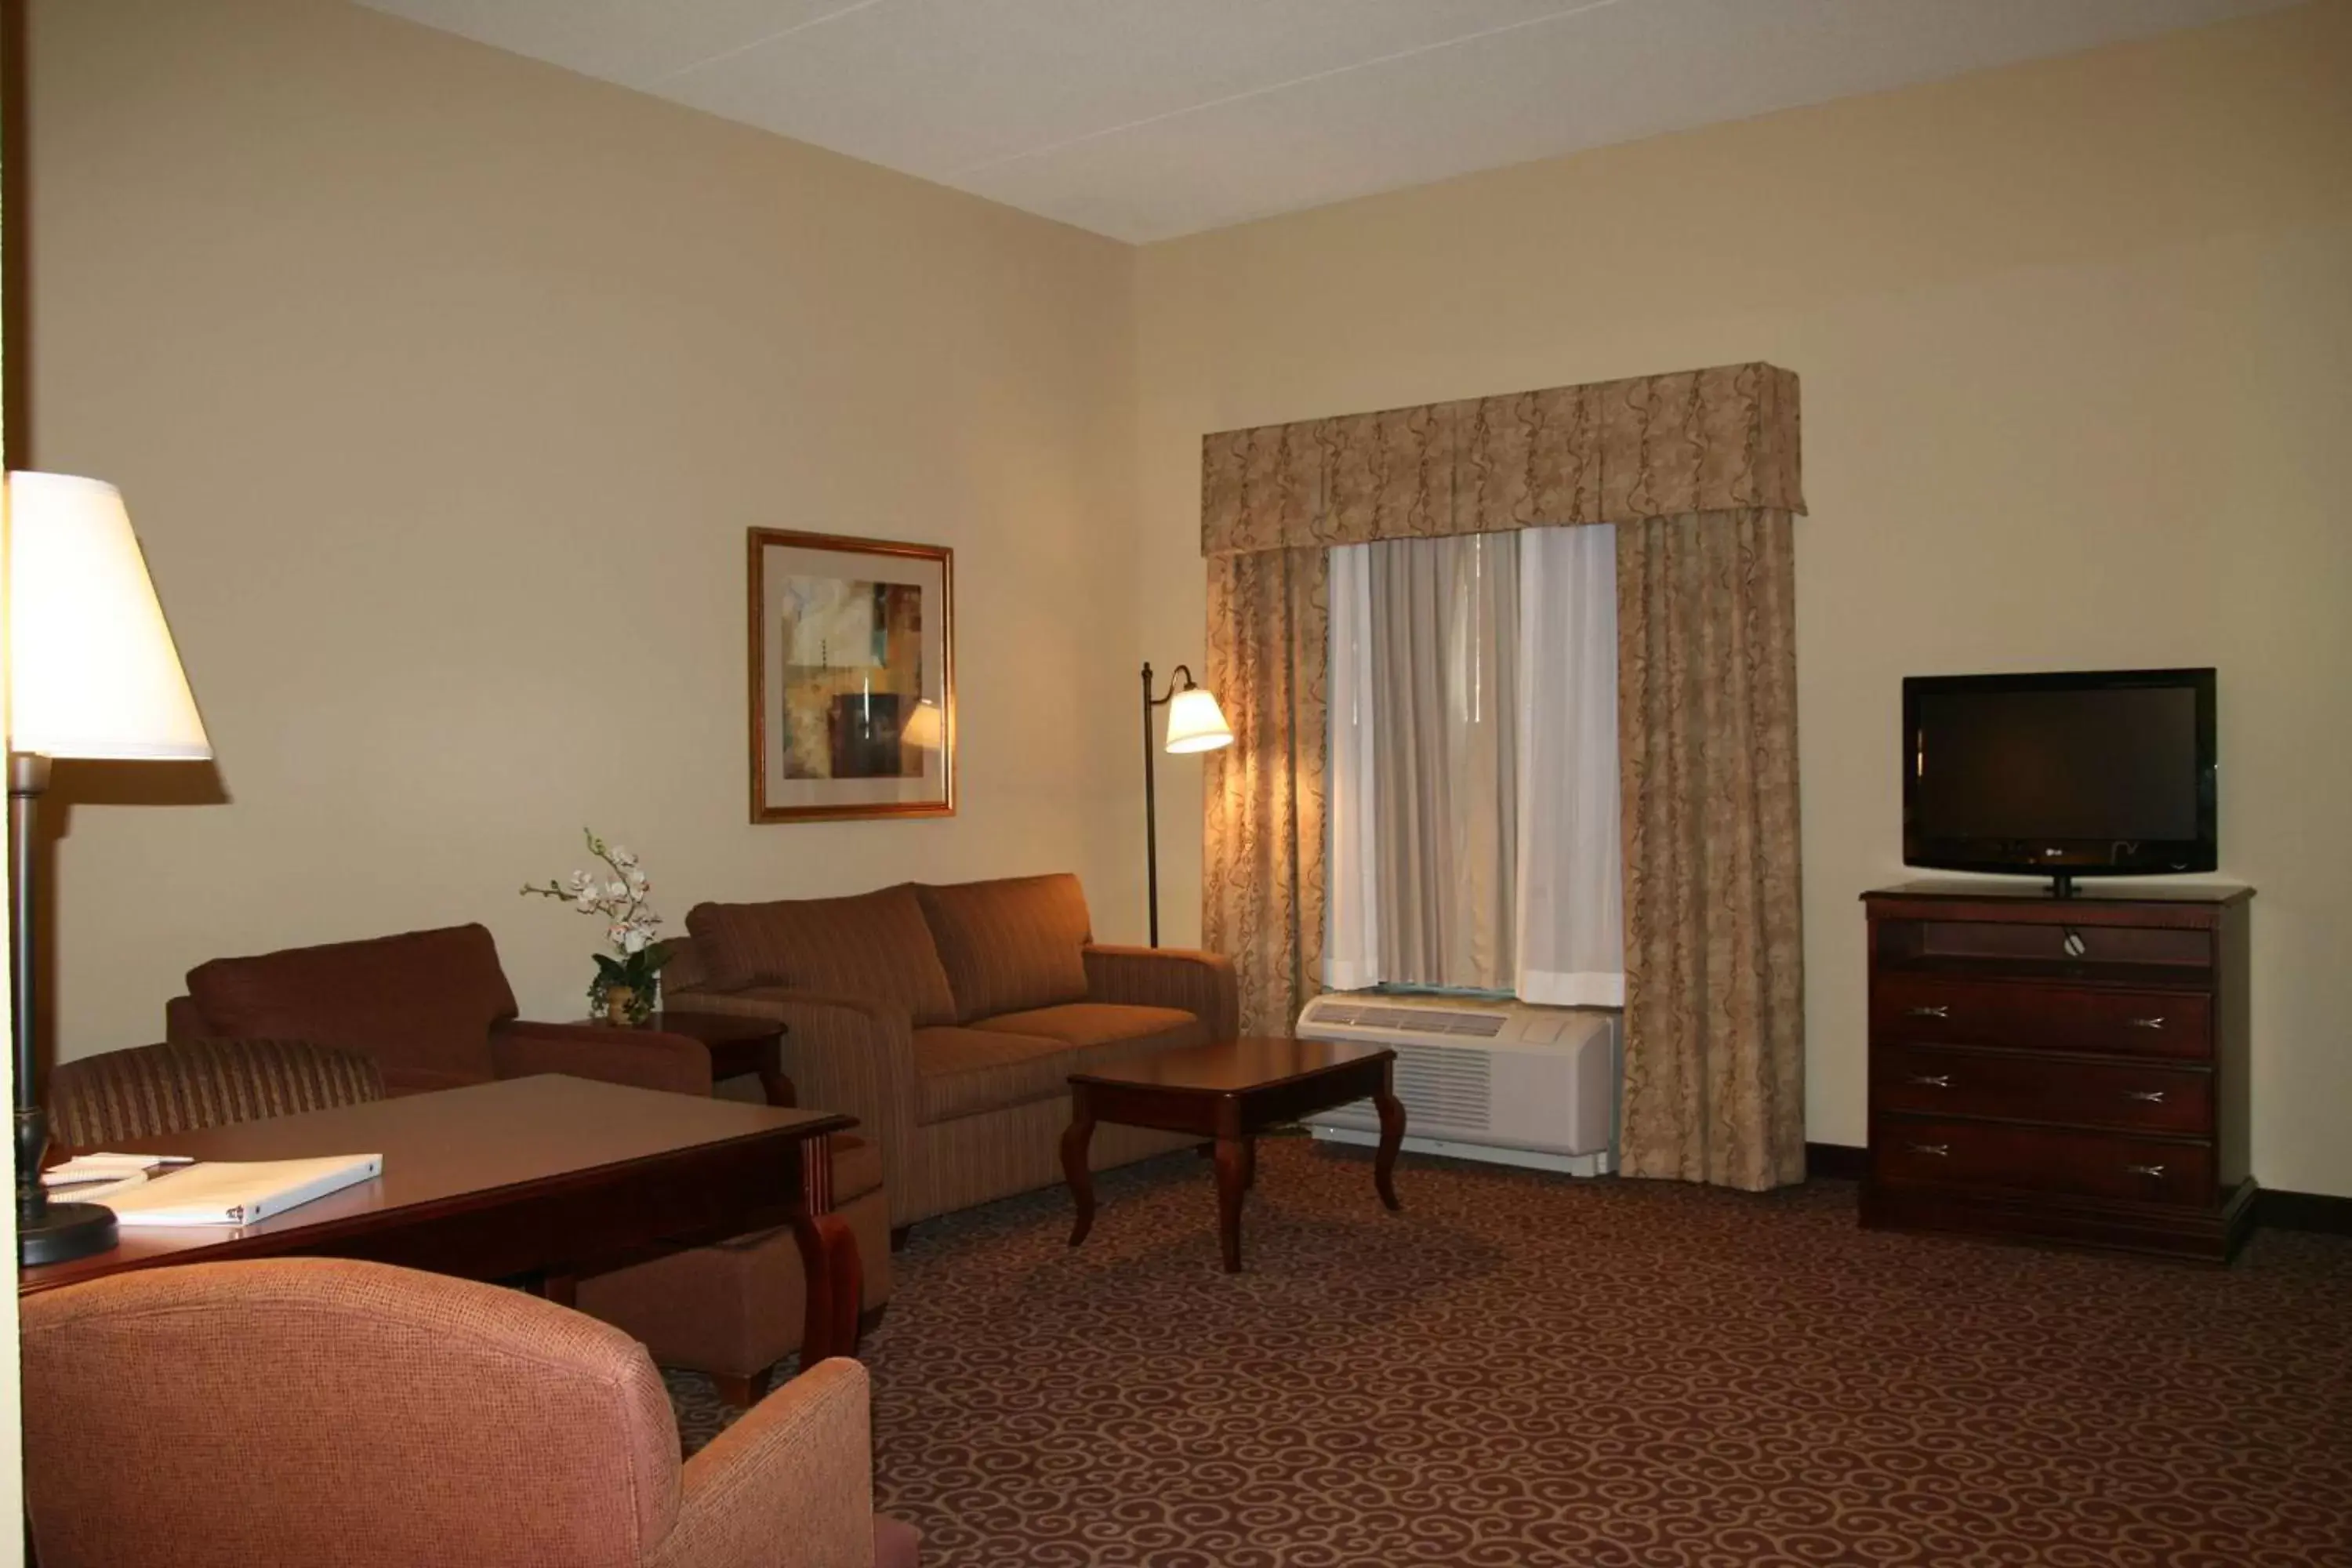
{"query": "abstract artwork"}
pixel 852 712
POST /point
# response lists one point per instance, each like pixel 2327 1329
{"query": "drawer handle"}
pixel 1939 1011
pixel 2155 1023
pixel 1932 1080
pixel 2144 1170
pixel 1940 1150
pixel 2146 1096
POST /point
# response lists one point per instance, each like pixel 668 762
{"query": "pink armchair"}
pixel 315 1410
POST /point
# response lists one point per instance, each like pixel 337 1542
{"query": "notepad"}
pixel 87 1168
pixel 227 1192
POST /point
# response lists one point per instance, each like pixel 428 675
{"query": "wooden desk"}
pixel 544 1178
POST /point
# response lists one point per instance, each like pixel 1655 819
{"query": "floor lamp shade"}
pixel 93 671
pixel 1195 723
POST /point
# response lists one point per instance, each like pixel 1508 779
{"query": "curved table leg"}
pixel 1235 1158
pixel 1391 1111
pixel 1075 1142
pixel 836 1285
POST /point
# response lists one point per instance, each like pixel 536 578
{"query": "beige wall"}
pixel 2074 340
pixel 441 385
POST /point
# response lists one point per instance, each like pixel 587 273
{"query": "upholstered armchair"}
pixel 432 1007
pixel 153 1091
pixel 318 1410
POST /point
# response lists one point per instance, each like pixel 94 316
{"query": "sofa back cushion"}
pixel 873 947
pixel 1010 944
pixel 423 1004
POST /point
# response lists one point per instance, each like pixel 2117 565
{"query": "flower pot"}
pixel 621 1006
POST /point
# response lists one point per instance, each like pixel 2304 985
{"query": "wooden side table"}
pixel 737 1045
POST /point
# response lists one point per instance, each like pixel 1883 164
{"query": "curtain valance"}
pixel 1609 451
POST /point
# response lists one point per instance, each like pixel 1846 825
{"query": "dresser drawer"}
pixel 2131 1097
pixel 2041 1159
pixel 1926 1010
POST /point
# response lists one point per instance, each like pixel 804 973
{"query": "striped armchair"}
pixel 155 1091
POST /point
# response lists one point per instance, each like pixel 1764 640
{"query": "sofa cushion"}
pixel 1010 944
pixel 991 1066
pixel 875 947
pixel 422 1002
pixel 1101 1023
pixel 964 1072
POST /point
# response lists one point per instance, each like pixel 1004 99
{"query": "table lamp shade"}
pixel 93 672
pixel 1195 723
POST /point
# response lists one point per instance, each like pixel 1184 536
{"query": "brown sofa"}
pixel 948 1019
pixel 321 1411
pixel 434 1010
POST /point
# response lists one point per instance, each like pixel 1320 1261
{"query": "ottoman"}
pixel 733 1310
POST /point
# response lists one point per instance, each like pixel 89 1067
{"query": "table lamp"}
pixel 1195 723
pixel 92 673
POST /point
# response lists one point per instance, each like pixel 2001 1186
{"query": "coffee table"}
pixel 1231 1092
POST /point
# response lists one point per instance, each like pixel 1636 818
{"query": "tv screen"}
pixel 2086 772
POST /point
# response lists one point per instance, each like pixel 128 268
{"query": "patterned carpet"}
pixel 1521 1370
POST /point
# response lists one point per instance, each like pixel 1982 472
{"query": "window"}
pixel 1473 812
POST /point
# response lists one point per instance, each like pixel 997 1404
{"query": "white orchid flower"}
pixel 585 900
pixel 634 942
pixel 616 889
pixel 622 859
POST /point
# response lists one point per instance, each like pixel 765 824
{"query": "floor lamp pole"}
pixel 45 1232
pixel 1150 805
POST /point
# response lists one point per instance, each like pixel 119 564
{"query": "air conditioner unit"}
pixel 1483 1081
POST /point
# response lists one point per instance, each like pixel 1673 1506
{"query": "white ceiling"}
pixel 1146 118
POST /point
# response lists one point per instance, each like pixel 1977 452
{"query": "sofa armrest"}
pixel 844 1054
pixel 1202 983
pixel 791 1481
pixel 642 1059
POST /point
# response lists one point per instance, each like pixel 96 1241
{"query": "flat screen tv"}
pixel 2080 773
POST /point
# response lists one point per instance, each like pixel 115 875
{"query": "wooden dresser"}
pixel 2068 1070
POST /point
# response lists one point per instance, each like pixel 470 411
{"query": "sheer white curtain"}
pixel 1571 897
pixel 1473 795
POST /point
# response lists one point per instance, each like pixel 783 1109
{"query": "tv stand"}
pixel 2060 1066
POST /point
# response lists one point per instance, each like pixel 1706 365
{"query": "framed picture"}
pixel 853 677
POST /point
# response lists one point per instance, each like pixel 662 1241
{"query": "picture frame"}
pixel 852 663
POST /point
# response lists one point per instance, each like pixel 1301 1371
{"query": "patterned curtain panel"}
pixel 1706 626
pixel 1262 888
pixel 1613 451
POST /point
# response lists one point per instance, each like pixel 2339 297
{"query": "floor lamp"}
pixel 1195 723
pixel 92 673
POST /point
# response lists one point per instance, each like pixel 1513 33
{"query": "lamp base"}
pixel 65 1232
